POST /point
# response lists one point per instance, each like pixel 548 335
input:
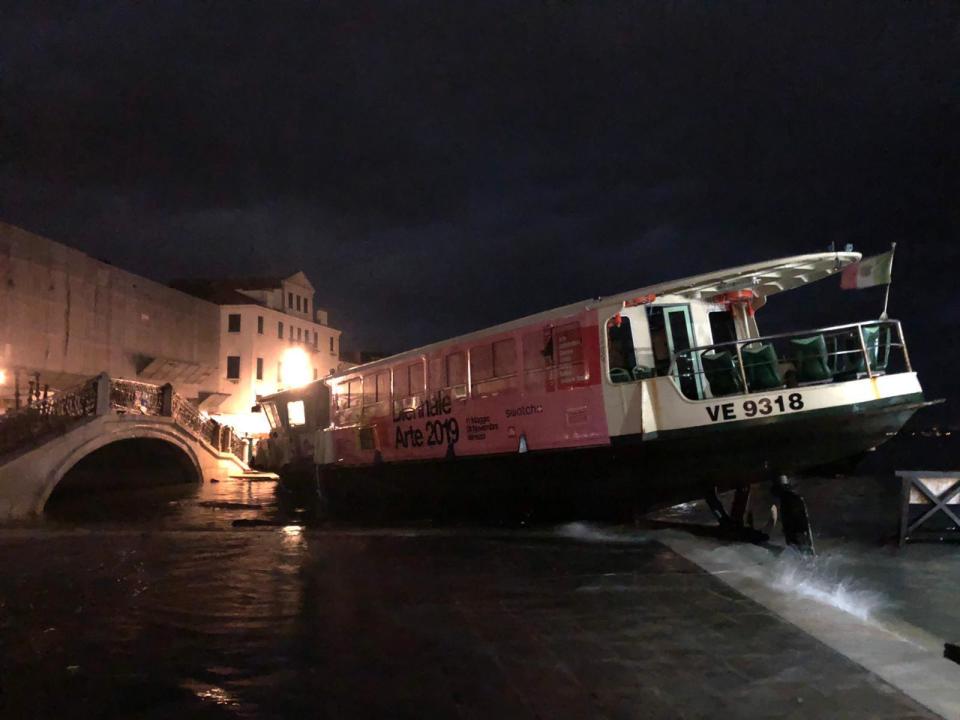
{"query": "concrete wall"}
pixel 68 316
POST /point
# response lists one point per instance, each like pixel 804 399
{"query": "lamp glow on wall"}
pixel 296 367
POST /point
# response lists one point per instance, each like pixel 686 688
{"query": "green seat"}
pixel 810 358
pixel 760 365
pixel 721 372
pixel 877 341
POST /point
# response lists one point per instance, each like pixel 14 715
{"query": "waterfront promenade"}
pixel 173 610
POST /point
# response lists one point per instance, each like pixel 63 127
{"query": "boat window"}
pixel 408 386
pixel 376 393
pixel 493 367
pixel 401 383
pixel 295 413
pixel 455 369
pixel 538 360
pixel 621 355
pixel 353 392
pixel 658 340
pixel 417 381
pixel 481 363
pixel 273 417
pixel 723 329
pixel 369 389
pixel 456 374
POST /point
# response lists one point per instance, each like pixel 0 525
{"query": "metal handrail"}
pixel 798 333
pixel 852 333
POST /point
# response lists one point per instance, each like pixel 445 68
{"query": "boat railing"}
pixel 795 359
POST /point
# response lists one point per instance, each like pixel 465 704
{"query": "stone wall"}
pixel 68 316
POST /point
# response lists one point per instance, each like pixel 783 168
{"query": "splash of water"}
pixel 585 532
pixel 822 579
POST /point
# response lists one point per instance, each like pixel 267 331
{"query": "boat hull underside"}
pixel 611 481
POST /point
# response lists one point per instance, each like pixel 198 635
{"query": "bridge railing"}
pixel 47 417
pixel 99 395
pixel 131 394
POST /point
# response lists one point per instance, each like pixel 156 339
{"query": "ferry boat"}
pixel 651 397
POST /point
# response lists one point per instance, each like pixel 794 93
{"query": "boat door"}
pixel 671 331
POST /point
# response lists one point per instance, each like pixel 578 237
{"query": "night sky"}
pixel 439 167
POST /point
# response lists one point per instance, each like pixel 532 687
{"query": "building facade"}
pixel 65 316
pixel 272 337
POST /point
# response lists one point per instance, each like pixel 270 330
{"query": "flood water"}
pixel 158 603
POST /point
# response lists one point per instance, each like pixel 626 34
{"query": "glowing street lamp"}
pixel 296 367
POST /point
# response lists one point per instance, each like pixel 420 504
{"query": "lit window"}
pixel 280 372
pixel 295 413
pixel 233 323
pixel 233 367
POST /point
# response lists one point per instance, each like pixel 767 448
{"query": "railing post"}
pixel 166 400
pixel 863 349
pixel 743 370
pixel 103 394
pixel 903 348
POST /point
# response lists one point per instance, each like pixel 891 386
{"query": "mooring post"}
pixel 103 394
pixel 166 400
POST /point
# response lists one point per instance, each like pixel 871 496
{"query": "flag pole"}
pixel 886 296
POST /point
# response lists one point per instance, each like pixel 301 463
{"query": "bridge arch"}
pixel 178 448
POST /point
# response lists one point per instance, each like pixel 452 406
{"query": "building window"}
pixel 316 340
pixel 298 304
pixel 331 343
pixel 280 330
pixel 233 322
pixel 259 368
pixel 259 324
pixel 233 367
pixel 299 335
pixel 290 300
pixel 291 333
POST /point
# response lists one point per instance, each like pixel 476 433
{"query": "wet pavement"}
pixel 140 609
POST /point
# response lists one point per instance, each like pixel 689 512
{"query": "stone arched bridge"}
pixel 39 445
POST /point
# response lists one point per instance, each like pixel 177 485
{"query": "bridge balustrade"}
pixel 41 421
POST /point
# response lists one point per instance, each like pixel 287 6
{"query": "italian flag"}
pixel 875 270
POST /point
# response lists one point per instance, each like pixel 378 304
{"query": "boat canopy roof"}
pixel 763 278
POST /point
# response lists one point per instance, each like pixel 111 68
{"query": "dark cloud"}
pixel 441 166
